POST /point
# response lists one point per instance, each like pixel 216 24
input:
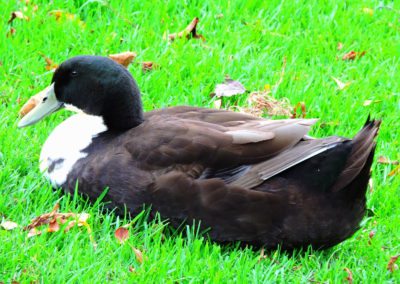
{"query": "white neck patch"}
pixel 63 148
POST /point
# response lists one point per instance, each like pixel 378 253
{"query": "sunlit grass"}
pixel 246 40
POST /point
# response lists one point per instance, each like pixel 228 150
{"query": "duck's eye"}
pixel 74 73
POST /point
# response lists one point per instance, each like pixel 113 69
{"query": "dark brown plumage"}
pixel 262 182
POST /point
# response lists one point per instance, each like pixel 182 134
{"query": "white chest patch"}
pixel 63 148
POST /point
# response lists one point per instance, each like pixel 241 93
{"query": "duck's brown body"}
pixel 185 163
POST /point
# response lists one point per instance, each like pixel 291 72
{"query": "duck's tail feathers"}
pixel 361 155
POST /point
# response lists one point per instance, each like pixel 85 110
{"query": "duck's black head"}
pixel 97 86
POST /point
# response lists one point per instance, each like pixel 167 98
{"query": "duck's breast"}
pixel 65 145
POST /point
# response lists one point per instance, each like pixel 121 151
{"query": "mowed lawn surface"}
pixel 247 40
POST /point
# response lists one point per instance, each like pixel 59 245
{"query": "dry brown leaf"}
pixel 392 266
pixel 395 171
pixel 339 46
pixel 17 15
pixel 148 66
pixel 123 58
pixel 353 55
pixel 11 32
pixel 9 225
pixel 387 161
pixel 349 277
pixel 122 234
pixel 53 226
pixel 189 32
pixel 370 236
pixel 131 268
pixel 138 254
pixel 340 84
pixel 34 232
pixel 229 88
pixel 50 65
pixel 302 106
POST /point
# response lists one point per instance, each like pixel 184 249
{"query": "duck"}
pixel 246 179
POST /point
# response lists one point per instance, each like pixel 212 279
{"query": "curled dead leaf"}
pixel 34 232
pixel 8 225
pixel 148 66
pixel 229 88
pixel 189 32
pixel 339 46
pixel 138 254
pixel 302 106
pixel 349 277
pixel 50 65
pixel 353 55
pixel 392 266
pixel 11 32
pixel 387 161
pixel 123 58
pixel 122 234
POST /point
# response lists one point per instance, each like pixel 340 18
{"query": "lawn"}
pixel 247 40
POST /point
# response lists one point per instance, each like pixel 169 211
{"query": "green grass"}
pixel 249 43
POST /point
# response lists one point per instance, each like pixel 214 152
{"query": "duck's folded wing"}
pixel 214 116
pixel 163 142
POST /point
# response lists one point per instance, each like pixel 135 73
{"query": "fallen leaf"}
pixel 189 32
pixel 131 268
pixel 392 266
pixel 349 277
pixel 53 226
pixel 50 65
pixel 138 254
pixel 302 106
pixel 229 88
pixel 368 11
pixel 353 55
pixel 340 84
pixel 395 171
pixel 9 225
pixel 17 15
pixel 11 32
pixel 370 236
pixel 34 232
pixel 54 219
pixel 124 58
pixel 387 161
pixel 339 46
pixel 122 234
pixel 148 66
